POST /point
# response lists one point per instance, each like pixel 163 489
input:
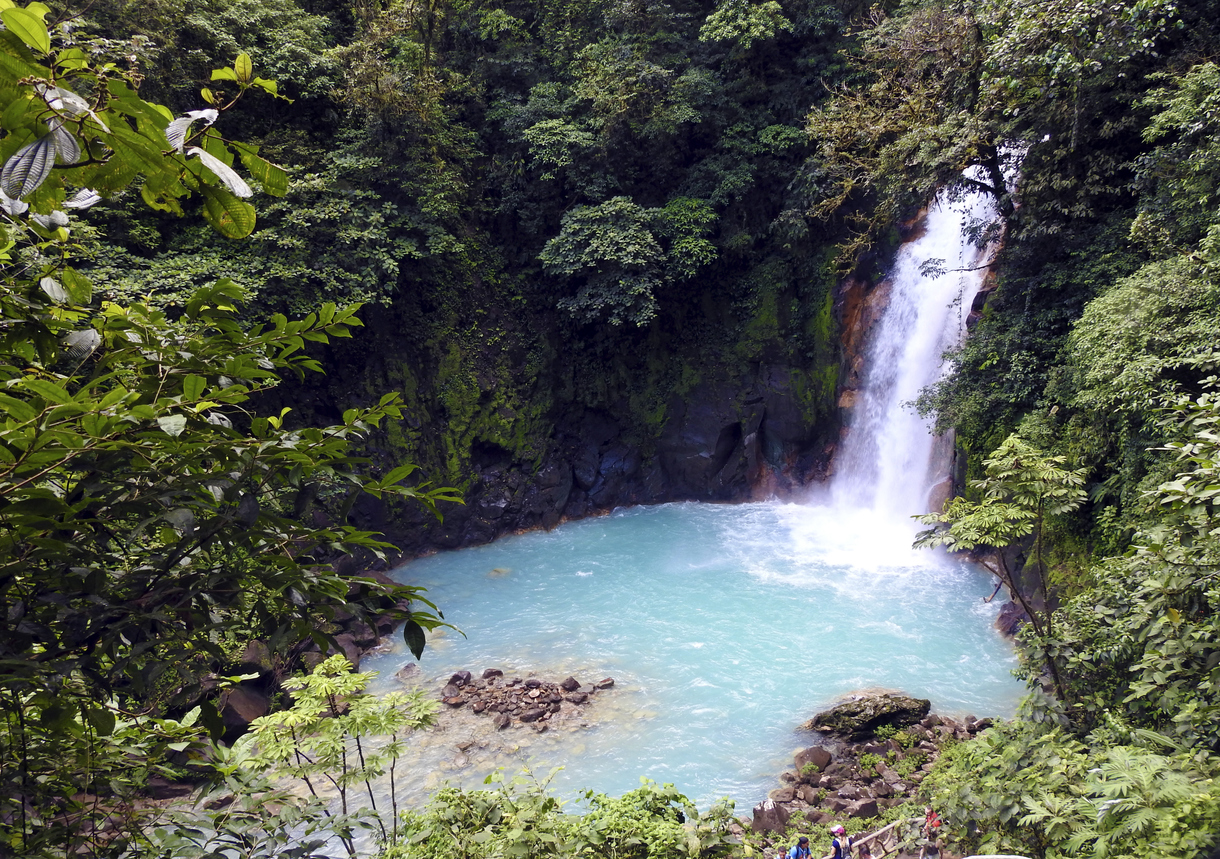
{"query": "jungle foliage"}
pixel 1089 376
pixel 562 205
pixel 153 518
pixel 513 182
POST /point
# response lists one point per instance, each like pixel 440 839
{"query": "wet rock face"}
pixel 861 716
pixel 729 439
pixel 529 702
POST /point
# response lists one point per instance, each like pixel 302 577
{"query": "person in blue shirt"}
pixel 800 850
pixel 841 844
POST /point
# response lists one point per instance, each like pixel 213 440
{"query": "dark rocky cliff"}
pixel 535 426
pixel 736 440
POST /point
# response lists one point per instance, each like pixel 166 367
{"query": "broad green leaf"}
pixel 399 473
pixel 172 424
pixel 273 178
pixel 243 67
pixel 230 216
pixel 224 75
pixel 413 635
pixel 79 287
pixel 193 387
pixel 101 719
pixel 49 391
pixel 72 58
pixel 24 108
pixel 28 27
pixel 19 409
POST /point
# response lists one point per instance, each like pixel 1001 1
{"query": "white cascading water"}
pixel 885 462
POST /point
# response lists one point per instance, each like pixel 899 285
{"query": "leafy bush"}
pixel 518 817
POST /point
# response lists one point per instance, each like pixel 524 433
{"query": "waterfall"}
pixel 886 461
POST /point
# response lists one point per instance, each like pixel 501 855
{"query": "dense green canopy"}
pixel 552 206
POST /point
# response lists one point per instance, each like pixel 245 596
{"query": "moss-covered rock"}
pixel 862 715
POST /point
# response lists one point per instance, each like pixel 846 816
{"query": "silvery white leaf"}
pixel 28 168
pixel 226 174
pixel 208 115
pixel 11 206
pixel 217 419
pixel 58 98
pixel 67 150
pixel 83 199
pixel 78 344
pixel 54 290
pixel 52 221
pixel 177 131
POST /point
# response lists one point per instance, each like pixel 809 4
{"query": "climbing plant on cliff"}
pixel 151 515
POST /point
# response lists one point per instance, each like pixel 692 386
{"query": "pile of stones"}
pixel 830 782
pixel 526 701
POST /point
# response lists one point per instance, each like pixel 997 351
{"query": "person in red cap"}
pixel 841 844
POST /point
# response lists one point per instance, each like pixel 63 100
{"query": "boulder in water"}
pixel 861 716
pixel 1010 619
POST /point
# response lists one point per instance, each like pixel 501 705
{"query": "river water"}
pixel 724 628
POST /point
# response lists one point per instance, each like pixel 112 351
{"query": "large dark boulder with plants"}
pixel 861 715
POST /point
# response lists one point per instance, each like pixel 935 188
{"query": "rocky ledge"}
pixel 859 776
pixel 860 716
pixel 527 701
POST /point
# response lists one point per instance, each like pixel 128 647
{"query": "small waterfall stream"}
pixel 886 462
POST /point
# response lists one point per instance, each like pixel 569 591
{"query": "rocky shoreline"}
pixel 873 754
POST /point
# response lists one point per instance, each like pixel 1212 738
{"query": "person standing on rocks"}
pixel 840 844
pixel 800 850
pixel 931 831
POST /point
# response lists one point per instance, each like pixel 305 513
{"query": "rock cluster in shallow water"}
pixel 527 701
